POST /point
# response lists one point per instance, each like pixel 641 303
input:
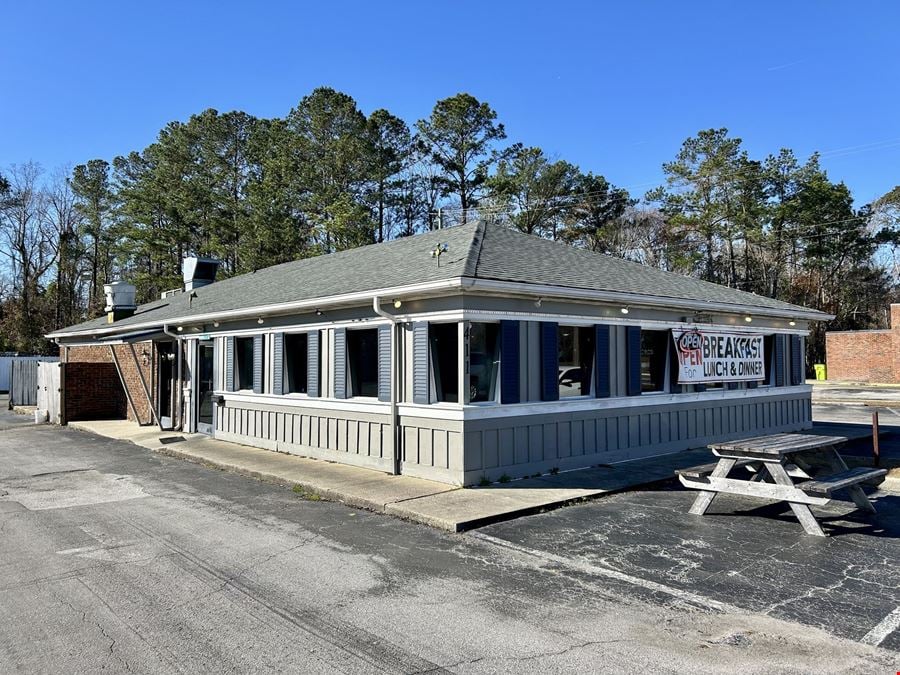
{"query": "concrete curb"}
pixel 404 508
pixel 892 480
pixel 312 487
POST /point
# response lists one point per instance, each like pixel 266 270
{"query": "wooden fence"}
pixel 23 380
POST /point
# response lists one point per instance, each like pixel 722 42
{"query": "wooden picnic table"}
pixel 773 463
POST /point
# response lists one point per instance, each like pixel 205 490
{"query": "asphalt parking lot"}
pixel 741 554
pixel 115 558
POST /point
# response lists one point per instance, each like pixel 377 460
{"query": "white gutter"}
pixel 395 382
pixel 544 290
pixel 467 284
pixel 280 308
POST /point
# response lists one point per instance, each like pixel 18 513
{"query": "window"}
pixel 576 360
pixel 362 362
pixel 654 351
pixel 295 363
pixel 769 358
pixel 484 359
pixel 443 340
pixel 243 363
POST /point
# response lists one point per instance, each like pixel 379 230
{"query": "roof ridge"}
pixel 471 267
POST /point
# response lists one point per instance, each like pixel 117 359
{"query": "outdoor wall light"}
pixel 624 310
pixel 319 312
pixel 792 323
pixel 398 303
pixel 259 320
pixel 215 324
pixel 180 328
pixel 748 318
pixel 538 302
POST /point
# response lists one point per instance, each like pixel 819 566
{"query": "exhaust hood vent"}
pixel 198 272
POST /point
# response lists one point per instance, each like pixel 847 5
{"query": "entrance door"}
pixel 165 386
pixel 204 388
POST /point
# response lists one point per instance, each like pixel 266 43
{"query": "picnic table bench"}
pixel 773 463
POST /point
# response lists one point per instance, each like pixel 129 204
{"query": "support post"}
pixel 144 384
pixel 876 451
pixel 115 359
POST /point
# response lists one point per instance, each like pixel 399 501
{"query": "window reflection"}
pixel 576 360
pixel 654 349
pixel 484 361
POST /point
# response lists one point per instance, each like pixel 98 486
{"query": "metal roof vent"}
pixel 119 300
pixel 198 272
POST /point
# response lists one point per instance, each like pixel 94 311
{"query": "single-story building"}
pixel 865 355
pixel 455 355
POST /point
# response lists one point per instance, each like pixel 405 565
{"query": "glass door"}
pixel 204 388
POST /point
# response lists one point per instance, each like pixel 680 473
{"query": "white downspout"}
pixel 179 393
pixel 395 381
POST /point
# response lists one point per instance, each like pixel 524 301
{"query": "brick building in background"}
pixel 865 355
pixel 93 386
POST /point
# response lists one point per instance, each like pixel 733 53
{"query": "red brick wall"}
pixel 134 365
pixel 93 391
pixel 862 356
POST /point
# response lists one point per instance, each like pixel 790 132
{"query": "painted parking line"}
pixel 885 627
pixel 874 637
pixel 597 570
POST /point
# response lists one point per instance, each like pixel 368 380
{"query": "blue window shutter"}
pixel 257 364
pixel 278 363
pixel 312 363
pixel 633 349
pixel 601 361
pixel 420 363
pixel 779 360
pixel 509 362
pixel 796 360
pixel 674 386
pixel 549 361
pixel 340 363
pixel 384 363
pixel 229 364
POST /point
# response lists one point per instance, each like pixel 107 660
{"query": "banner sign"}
pixel 713 356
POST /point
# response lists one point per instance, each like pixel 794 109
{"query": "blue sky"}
pixel 612 87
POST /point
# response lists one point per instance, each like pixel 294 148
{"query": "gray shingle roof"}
pixel 508 255
pixel 483 251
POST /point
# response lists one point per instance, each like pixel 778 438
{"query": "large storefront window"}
pixel 443 341
pixel 484 361
pixel 295 363
pixel 243 363
pixel 576 360
pixel 362 362
pixel 654 350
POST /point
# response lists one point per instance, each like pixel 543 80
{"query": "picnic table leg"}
pixel 801 511
pixel 857 494
pixel 704 499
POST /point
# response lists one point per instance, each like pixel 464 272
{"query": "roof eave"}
pixel 407 291
pixel 546 290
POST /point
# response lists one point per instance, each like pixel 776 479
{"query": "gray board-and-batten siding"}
pixel 464 451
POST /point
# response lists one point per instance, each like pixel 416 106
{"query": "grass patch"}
pixel 484 482
pixel 308 495
pixel 505 478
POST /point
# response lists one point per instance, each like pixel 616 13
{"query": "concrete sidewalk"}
pixel 831 392
pixel 436 504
